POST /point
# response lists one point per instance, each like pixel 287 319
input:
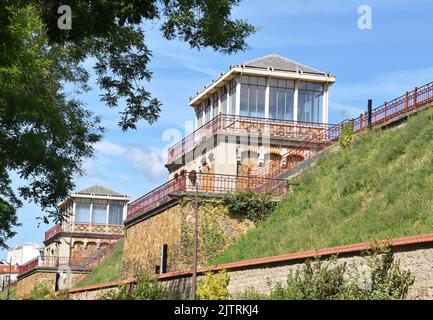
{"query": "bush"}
pixel 146 288
pixel 255 206
pixel 213 286
pixel 328 280
pixel 346 135
pixel 42 292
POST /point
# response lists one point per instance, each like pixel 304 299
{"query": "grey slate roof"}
pixel 99 190
pixel 278 62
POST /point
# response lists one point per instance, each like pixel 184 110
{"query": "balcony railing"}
pixel 206 184
pixel 84 227
pixel 230 124
pixel 51 262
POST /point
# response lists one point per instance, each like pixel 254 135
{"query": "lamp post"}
pixel 192 176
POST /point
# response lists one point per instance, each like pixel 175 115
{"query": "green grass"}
pixel 378 188
pixel 107 271
pixel 3 294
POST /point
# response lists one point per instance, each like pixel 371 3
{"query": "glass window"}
pixel 281 99
pixel 215 104
pixel 310 101
pixel 207 111
pixel 232 99
pixel 224 103
pixel 199 112
pixel 253 96
pixel 99 212
pixel 115 214
pixel 82 212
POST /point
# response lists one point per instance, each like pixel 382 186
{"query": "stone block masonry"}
pixel 42 277
pixel 174 226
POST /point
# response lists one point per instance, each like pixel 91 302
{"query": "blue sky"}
pixel 381 63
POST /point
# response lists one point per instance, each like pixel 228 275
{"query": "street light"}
pixel 192 176
pixel 9 276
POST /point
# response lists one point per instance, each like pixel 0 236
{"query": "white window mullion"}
pixel 267 97
pixel 295 101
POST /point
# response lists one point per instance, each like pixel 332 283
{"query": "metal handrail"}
pixel 220 122
pixel 392 109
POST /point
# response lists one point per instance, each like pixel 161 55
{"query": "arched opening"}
pixel 292 160
pixel 271 157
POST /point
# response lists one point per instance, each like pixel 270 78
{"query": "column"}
pixel 267 95
pixel 91 219
pixel 227 99
pixel 238 96
pixel 325 104
pixel 73 215
pixel 124 211
pixel 108 211
pixel 295 101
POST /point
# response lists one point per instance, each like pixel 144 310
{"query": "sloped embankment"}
pixel 378 187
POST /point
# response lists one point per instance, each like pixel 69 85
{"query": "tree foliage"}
pixel 255 206
pixel 45 135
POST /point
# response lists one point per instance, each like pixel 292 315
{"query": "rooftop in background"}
pixel 5 268
pixel 26 244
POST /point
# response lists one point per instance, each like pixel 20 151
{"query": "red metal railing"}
pixel 391 110
pixel 206 183
pixel 32 264
pixel 51 262
pixel 224 123
pixel 53 231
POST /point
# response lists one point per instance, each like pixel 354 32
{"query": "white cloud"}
pixel 108 148
pixel 110 157
pixel 150 161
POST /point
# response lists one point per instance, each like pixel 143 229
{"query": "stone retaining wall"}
pixel 414 253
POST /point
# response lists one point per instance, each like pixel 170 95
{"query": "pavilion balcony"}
pixel 50 262
pixel 297 131
pixel 109 229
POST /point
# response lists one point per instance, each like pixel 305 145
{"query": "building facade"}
pixel 8 274
pixel 94 219
pixel 254 118
pixel 23 253
pixel 251 115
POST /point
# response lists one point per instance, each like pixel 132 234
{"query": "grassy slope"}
pixel 108 270
pixel 379 187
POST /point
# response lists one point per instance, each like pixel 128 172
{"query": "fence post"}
pixel 370 107
pixel 360 122
pixel 415 97
pixel 407 101
pixel 385 104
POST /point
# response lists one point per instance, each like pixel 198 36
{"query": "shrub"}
pixel 346 135
pixel 255 206
pixel 146 288
pixel 42 292
pixel 329 280
pixel 213 286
